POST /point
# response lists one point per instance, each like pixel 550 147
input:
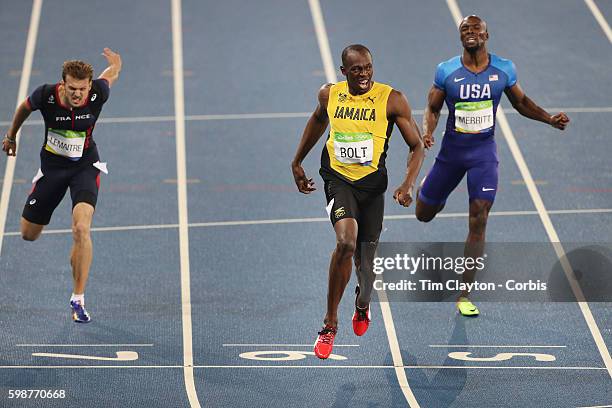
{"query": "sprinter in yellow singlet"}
pixel 361 114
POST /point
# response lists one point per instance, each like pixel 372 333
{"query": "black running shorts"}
pixel 82 178
pixel 367 208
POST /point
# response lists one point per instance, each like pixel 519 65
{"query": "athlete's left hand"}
pixel 112 57
pixel 559 121
pixel 403 195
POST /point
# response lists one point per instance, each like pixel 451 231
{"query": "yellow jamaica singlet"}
pixel 359 134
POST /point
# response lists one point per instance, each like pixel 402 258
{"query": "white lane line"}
pixel 598 406
pixel 195 118
pixel 138 119
pixel 26 71
pixel 546 221
pixel 582 211
pixel 105 229
pixel 284 345
pixel 417 367
pixel 330 74
pixel 600 18
pixel 396 353
pixel 259 222
pixel 490 346
pixel 603 109
pixel 84 345
pixel 241 116
pixel 455 11
pixel 181 170
pixel 309 220
pixel 322 40
pixel 326 366
pixel 554 239
pixel 88 366
pixel 283 115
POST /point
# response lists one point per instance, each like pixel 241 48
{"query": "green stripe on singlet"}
pixel 69 134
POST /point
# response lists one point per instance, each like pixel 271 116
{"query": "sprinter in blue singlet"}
pixel 471 85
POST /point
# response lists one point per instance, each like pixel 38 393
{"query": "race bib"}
pixel 354 148
pixel 473 117
pixel 67 143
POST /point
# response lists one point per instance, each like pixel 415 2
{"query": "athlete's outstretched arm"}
pixel 528 108
pixel 315 127
pixel 111 73
pixel 398 110
pixel 9 143
pixel 435 101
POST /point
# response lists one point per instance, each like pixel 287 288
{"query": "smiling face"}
pixel 76 90
pixel 473 33
pixel 358 70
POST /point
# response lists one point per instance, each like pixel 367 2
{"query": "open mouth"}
pixel 363 82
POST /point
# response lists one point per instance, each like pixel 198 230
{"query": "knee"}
pixel 423 216
pixel 80 231
pixel 478 220
pixel 345 247
pixel 423 213
pixel 29 230
pixel 29 235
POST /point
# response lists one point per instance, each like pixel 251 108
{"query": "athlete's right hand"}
pixel 403 195
pixel 9 147
pixel 303 183
pixel 428 141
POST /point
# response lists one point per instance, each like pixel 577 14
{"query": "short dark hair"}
pixel 475 16
pixel 362 49
pixel 77 69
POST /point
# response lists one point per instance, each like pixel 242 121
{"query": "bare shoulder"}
pixel 397 96
pixel 324 94
pixel 326 86
pixel 397 103
pixel 324 91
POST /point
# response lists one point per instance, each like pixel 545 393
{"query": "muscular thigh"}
pixel 371 213
pixel 49 187
pixel 84 185
pixel 341 201
pixel 482 180
pixel 442 179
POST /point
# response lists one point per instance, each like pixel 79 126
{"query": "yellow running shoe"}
pixel 467 308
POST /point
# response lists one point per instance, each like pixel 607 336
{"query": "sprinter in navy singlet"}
pixel 68 160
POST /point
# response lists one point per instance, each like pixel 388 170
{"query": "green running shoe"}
pixel 467 308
